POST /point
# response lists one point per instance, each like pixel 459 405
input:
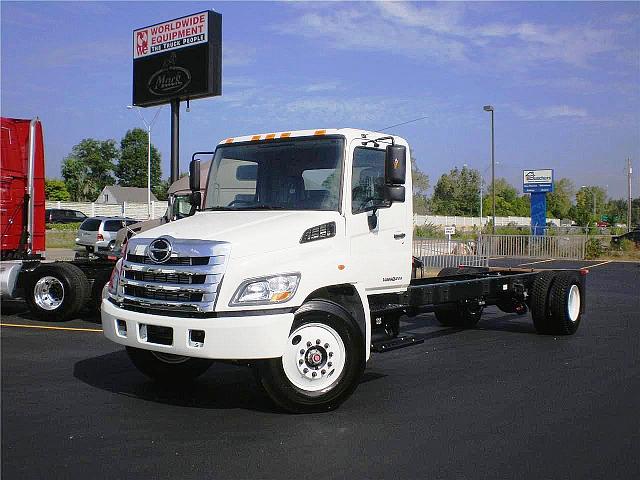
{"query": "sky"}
pixel 564 79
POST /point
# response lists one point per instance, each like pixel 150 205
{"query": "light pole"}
pixel 489 108
pixel 482 192
pixel 149 127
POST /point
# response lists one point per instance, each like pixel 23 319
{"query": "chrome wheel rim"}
pixel 573 303
pixel 169 357
pixel 315 358
pixel 48 293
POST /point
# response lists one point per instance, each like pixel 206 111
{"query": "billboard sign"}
pixel 178 59
pixel 537 181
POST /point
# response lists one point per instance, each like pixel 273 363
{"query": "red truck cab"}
pixel 22 197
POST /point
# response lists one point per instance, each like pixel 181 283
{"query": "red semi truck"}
pixel 54 291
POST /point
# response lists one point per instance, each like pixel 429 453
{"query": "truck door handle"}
pixel 399 236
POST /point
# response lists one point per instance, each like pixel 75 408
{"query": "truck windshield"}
pixel 296 174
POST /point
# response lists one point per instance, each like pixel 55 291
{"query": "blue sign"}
pixel 537 181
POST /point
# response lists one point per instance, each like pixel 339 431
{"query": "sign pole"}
pixel 175 139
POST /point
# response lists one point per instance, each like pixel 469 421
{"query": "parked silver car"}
pixel 99 233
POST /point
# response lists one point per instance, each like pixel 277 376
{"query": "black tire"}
pixel 539 304
pixel 168 369
pixel 73 295
pixel 566 292
pixel 294 399
pixel 461 315
pixel 100 280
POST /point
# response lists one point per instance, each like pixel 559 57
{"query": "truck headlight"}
pixel 266 290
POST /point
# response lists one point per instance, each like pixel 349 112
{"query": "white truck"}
pixel 299 264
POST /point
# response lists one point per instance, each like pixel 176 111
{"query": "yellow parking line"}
pixel 51 328
pixel 533 263
pixel 598 264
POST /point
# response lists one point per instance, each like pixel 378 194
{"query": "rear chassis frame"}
pixel 483 286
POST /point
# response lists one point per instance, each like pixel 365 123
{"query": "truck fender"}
pixel 352 300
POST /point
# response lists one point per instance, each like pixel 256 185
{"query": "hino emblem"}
pixel 159 250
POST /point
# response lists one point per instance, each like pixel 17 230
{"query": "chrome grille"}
pixel 164 277
pixel 187 282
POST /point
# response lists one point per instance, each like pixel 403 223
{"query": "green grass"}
pixel 61 238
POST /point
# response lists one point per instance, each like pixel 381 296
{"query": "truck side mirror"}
pixel 395 165
pixel 194 176
pixel 394 193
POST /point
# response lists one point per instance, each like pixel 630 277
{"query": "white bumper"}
pixel 232 338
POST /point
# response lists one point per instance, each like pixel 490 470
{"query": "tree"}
pixel 132 166
pixel 583 212
pixel 559 201
pixel 88 168
pixel 508 201
pixel 55 189
pixel 420 188
pixel 161 189
pixel 457 193
pixel 616 210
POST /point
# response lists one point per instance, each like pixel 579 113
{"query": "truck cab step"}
pixel 395 343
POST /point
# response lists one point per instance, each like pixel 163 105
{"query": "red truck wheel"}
pixel 56 291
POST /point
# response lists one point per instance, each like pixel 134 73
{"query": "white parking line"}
pixel 597 264
pixel 533 263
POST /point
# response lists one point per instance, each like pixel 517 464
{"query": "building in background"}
pixel 116 195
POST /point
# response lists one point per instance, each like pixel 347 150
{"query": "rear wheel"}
pixel 322 362
pixel 167 368
pixel 540 311
pixel 566 303
pixel 56 291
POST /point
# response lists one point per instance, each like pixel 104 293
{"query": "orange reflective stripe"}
pixel 270 136
pixel 229 140
pixel 285 134
pixel 320 132
pixel 255 137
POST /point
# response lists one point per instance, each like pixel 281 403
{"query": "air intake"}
pixel 326 230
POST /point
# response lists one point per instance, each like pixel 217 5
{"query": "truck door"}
pixel 380 251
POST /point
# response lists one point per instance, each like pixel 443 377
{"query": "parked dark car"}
pixel 63 215
pixel 634 236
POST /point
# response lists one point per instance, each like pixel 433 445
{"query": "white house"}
pixel 116 195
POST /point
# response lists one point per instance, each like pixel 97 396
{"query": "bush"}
pixel 429 230
pixel 627 245
pixel 593 249
pixel 63 226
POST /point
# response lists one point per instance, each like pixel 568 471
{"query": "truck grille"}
pixel 165 277
pixel 187 281
pixel 142 292
pixel 143 259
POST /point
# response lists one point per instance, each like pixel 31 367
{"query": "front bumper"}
pixel 229 338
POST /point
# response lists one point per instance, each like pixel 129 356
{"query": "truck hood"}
pixel 250 232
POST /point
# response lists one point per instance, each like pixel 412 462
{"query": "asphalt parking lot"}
pixel 498 401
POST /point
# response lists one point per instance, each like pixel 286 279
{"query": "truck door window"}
pixel 367 179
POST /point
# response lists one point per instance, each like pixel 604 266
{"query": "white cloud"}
pixel 551 112
pixel 446 32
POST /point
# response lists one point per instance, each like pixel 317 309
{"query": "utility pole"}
pixel 629 172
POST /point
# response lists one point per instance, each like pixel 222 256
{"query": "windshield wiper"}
pixel 262 207
pixel 218 209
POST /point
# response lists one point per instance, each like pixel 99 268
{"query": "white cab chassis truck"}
pixel 299 264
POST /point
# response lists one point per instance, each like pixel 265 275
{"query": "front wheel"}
pixel 167 368
pixel 322 362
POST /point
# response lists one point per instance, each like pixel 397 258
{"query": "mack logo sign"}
pixel 537 181
pixel 179 59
